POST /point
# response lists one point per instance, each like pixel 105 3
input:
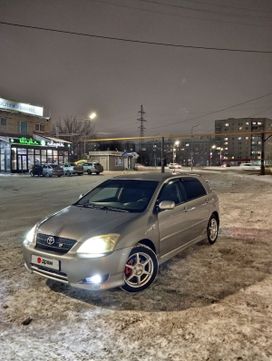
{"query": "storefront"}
pixel 19 154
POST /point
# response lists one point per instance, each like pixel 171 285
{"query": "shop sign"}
pixel 21 107
pixel 55 144
pixel 25 141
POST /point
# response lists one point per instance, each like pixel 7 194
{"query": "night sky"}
pixel 72 75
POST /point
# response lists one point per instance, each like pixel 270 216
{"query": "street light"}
pixel 176 144
pixel 92 116
pixel 211 153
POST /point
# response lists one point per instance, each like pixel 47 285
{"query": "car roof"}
pixel 159 177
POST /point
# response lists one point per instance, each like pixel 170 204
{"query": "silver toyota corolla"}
pixel 122 230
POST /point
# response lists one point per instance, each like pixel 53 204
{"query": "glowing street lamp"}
pixel 92 115
pixel 176 144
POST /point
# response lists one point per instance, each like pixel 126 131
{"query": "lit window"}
pixel 228 138
pixel 226 148
pixel 260 123
pixel 239 138
pixel 240 128
pixel 226 124
pixel 247 123
pixel 246 138
pixel 226 143
pixel 254 123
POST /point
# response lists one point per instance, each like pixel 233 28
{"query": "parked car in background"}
pixel 122 230
pixel 72 168
pixel 46 170
pixel 250 166
pixel 174 166
pixel 51 170
pixel 93 167
pixel 36 170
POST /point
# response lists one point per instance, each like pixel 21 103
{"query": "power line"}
pixel 178 15
pixel 215 111
pixel 229 6
pixel 135 41
pixel 202 10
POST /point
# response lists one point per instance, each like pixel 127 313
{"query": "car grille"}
pixel 55 244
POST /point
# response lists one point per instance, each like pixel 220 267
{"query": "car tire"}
pixel 212 229
pixel 141 269
pixel 89 172
pixel 97 173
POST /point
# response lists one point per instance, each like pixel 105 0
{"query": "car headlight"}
pixel 30 237
pixel 99 245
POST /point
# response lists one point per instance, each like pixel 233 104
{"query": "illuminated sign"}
pixel 55 144
pixel 21 107
pixel 25 141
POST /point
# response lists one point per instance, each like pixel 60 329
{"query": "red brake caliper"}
pixel 128 270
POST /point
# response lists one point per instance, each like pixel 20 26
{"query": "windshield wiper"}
pixel 110 208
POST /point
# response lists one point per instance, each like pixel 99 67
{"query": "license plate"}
pixel 45 262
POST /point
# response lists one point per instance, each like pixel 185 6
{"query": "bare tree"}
pixel 76 131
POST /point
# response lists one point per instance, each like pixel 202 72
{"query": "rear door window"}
pixel 193 188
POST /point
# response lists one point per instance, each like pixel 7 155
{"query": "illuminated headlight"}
pixel 30 237
pixel 99 245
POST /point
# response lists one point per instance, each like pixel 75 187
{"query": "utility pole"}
pixel 162 155
pixel 142 128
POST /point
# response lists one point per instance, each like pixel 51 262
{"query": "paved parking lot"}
pixel 208 303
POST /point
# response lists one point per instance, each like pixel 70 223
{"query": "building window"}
pixel 39 127
pixel 240 128
pixel 247 123
pixel 3 122
pixel 226 124
pixel 23 127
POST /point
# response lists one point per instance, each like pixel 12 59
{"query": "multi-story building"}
pixel 24 138
pixel 238 142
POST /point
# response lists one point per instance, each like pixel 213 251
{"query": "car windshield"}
pixel 120 195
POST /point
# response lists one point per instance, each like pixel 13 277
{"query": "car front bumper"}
pixel 75 270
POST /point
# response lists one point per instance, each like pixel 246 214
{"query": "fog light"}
pixel 96 279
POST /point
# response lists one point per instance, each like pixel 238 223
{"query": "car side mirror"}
pixel 166 205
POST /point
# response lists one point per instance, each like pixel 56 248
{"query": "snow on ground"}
pixel 208 303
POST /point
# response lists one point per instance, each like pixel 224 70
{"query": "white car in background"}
pixel 250 166
pixel 174 166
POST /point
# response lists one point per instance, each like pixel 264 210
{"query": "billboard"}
pixel 21 107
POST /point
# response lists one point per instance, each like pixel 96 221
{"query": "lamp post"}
pixel 176 144
pixel 192 145
pixel 211 154
pixel 92 116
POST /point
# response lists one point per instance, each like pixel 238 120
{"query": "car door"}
pixel 196 206
pixel 172 223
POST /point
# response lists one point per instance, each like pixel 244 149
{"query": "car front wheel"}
pixel 141 269
pixel 212 229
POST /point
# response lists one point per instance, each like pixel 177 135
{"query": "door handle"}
pixel 189 209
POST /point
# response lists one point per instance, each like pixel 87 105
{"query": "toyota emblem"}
pixel 50 240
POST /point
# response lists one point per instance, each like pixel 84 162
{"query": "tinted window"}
pixel 171 192
pixel 193 188
pixel 129 195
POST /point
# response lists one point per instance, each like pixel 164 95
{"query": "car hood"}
pixel 80 223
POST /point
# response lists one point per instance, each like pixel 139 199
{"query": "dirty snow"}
pixel 208 303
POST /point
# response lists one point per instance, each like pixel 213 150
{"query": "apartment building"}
pixel 237 139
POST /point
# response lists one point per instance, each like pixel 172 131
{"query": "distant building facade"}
pixel 25 140
pixel 237 148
